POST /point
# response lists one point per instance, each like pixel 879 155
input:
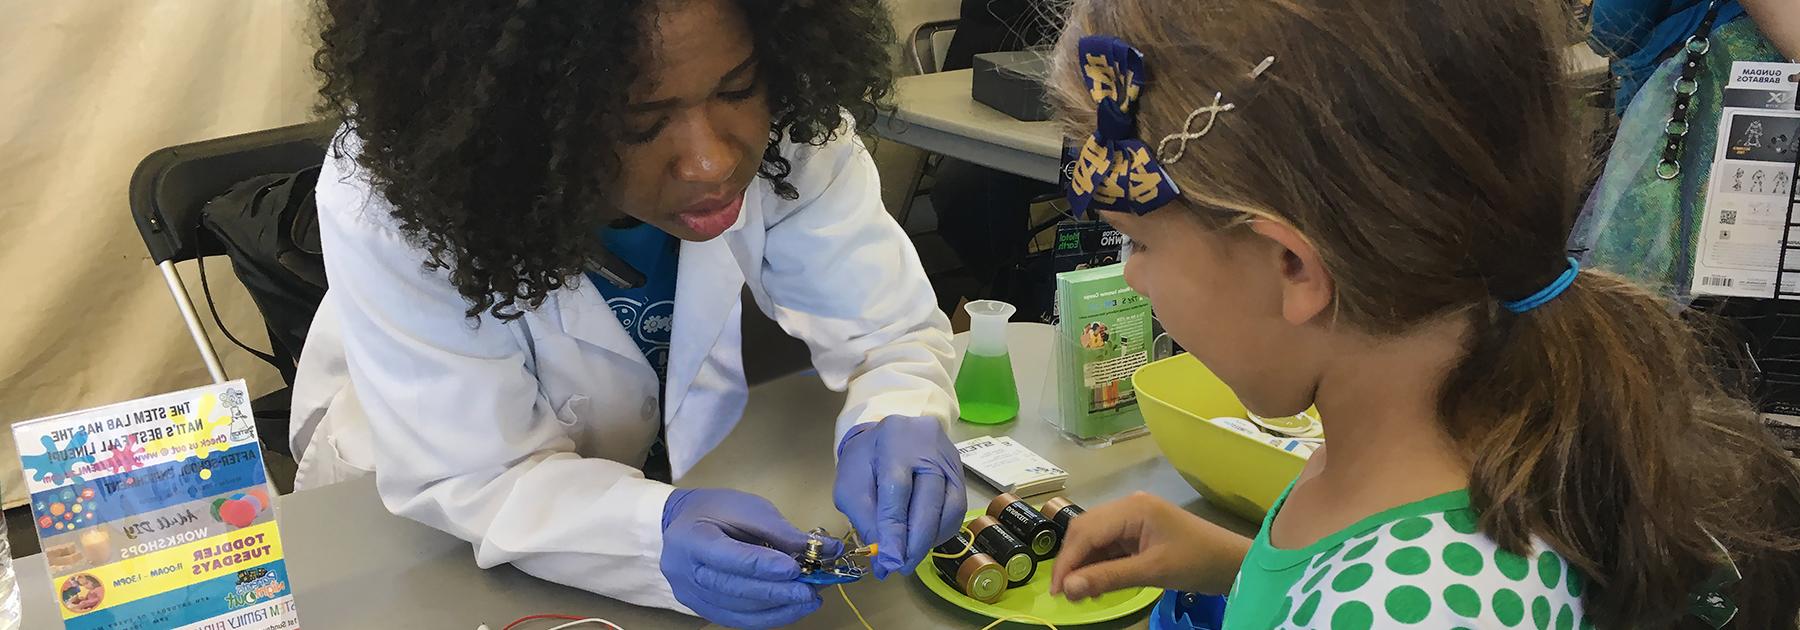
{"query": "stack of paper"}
pixel 1010 467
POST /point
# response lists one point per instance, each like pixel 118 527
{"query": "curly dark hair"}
pixel 490 127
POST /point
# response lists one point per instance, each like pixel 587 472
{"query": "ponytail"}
pixel 1597 424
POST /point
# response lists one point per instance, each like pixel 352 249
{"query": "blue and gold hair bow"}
pixel 1115 170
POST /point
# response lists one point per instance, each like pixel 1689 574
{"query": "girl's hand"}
pixel 1142 540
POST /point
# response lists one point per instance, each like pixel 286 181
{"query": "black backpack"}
pixel 269 228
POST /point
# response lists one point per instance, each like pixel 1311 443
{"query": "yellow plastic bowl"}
pixel 1234 471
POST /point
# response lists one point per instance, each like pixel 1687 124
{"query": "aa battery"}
pixel 971 572
pixel 992 539
pixel 1060 511
pixel 1039 534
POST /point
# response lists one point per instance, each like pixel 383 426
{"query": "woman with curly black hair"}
pixel 538 219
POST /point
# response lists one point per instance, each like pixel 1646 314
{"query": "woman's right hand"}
pixel 1142 540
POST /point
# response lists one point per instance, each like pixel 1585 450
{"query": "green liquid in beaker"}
pixel 985 389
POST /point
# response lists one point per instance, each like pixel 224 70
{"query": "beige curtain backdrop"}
pixel 88 88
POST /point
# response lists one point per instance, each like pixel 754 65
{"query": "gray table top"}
pixel 935 112
pixel 353 565
pixel 941 100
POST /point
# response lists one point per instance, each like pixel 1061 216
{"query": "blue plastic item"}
pixel 1188 611
pixel 830 578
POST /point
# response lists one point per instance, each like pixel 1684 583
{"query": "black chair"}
pixel 168 190
pixel 171 186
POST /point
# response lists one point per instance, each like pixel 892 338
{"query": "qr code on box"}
pixel 1728 217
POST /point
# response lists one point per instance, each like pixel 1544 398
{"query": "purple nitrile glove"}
pixel 718 559
pixel 900 481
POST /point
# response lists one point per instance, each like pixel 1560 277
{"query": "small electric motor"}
pixel 849 566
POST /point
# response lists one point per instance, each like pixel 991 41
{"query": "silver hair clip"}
pixel 1217 107
pixel 1211 112
pixel 1262 67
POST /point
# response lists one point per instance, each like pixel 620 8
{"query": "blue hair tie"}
pixel 1544 295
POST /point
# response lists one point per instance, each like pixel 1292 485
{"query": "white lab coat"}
pixel 525 437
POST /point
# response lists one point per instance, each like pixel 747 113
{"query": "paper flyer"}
pixel 1010 467
pixel 1103 337
pixel 1752 173
pixel 156 513
pixel 1079 245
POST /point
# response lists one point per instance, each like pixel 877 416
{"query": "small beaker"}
pixel 984 384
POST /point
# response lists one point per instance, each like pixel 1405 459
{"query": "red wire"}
pixel 517 622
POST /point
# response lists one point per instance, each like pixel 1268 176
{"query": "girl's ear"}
pixel 1306 287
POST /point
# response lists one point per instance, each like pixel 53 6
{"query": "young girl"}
pixel 1362 206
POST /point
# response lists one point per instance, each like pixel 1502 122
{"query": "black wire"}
pixel 207 290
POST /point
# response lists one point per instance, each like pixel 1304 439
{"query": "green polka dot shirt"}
pixel 1420 565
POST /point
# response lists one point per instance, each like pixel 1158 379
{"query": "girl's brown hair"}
pixel 1431 152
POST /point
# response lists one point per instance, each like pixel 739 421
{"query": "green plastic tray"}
pixel 1034 598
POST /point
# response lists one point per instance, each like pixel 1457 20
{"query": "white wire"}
pixel 572 624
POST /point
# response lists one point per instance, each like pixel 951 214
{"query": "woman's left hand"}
pixel 900 482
